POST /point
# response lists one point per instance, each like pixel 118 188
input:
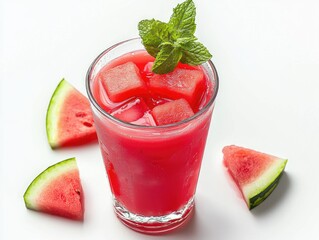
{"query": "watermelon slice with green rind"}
pixel 69 120
pixel 256 174
pixel 57 191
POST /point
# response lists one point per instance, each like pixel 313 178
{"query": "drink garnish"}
pixel 174 41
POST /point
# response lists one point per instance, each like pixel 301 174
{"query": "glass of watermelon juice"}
pixel 152 160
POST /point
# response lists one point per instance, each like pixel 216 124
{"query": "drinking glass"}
pixel 152 170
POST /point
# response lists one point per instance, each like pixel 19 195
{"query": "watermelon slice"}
pixel 69 119
pixel 181 83
pixel 256 174
pixel 58 191
pixel 123 82
pixel 172 112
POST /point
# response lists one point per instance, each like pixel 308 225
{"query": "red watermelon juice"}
pixel 152 160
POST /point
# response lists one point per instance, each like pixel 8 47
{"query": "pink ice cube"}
pixel 136 112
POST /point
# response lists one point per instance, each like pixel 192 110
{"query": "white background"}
pixel 267 56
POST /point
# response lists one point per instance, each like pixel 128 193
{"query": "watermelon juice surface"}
pixel 152 168
pixel 148 176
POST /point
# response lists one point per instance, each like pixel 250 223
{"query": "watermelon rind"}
pixel 53 111
pixel 44 179
pixel 256 174
pixel 257 191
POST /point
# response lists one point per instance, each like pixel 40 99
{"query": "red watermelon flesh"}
pixel 172 112
pixel 69 118
pixel 63 197
pixel 57 191
pixel 256 173
pixel 181 83
pixel 245 165
pixel 123 82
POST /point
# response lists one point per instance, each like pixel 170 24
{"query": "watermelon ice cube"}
pixel 135 111
pixel 123 82
pixel 256 174
pixel 181 83
pixel 57 191
pixel 104 100
pixel 172 112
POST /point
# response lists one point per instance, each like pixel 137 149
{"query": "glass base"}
pixel 154 224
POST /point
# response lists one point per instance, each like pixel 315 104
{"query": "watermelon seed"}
pixel 80 114
pixel 62 197
pixel 87 124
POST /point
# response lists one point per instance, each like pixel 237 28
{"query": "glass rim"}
pixel 131 125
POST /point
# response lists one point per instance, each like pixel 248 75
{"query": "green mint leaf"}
pixel 174 41
pixel 183 19
pixel 185 40
pixel 153 33
pixel 167 59
pixel 194 53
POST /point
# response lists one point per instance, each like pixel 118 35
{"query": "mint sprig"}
pixel 174 41
pixel 183 19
